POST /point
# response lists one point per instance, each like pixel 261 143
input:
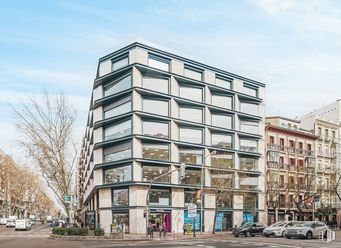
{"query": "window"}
pixel 248 181
pixel 150 172
pixel 158 62
pixel 221 140
pixel 326 133
pixel 104 67
pixel 156 84
pixel 192 177
pixel 333 134
pixel 117 86
pixel 119 63
pixel 156 106
pixel 117 175
pixel 319 132
pixel 190 114
pixel 223 82
pixel 272 140
pixel 248 145
pixel 117 152
pixel 117 131
pixel 190 197
pixel 193 73
pixel 160 197
pixel 190 93
pixel 222 101
pixel 190 156
pixel 249 108
pixel 120 197
pixel 249 90
pixel 119 107
pixel 250 201
pixel 191 135
pixel 224 121
pixel 222 179
pixel 249 127
pixel 247 163
pixel 223 160
pixel 156 151
pixel 157 129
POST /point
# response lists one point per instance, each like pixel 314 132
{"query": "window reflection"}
pixel 221 140
pixel 190 156
pixel 117 152
pixel 159 197
pixel 248 145
pixel 151 172
pixel 191 135
pixel 119 174
pixel 118 86
pixel 119 130
pixel 120 197
pixel 156 151
pixel 157 129
pixel 223 160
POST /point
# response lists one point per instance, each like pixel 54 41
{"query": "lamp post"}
pixel 202 188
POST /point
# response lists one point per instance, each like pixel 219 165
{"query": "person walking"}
pixel 164 230
pixel 184 227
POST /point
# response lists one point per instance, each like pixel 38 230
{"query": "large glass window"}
pixel 119 63
pixel 248 181
pixel 150 172
pixel 190 156
pixel 119 174
pixel 193 73
pixel 249 127
pixel 117 108
pixel 224 121
pixel 247 163
pixel 118 86
pixel 221 140
pixel 191 135
pixel 159 197
pixel 222 179
pixel 191 93
pixel 250 201
pixel 104 67
pixel 118 130
pixel 158 62
pixel 156 83
pixel 249 108
pixel 248 145
pixel 223 160
pixel 192 177
pixel 117 152
pixel 248 90
pixel 222 101
pixel 190 114
pixel 190 198
pixel 156 106
pixel 120 197
pixel 223 82
pixel 157 129
pixel 156 151
pixel 121 218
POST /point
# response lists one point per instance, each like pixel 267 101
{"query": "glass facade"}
pixel 118 152
pixel 158 62
pixel 190 156
pixel 156 151
pixel 156 129
pixel 192 177
pixel 120 197
pixel 117 108
pixel 156 84
pixel 248 145
pixel 249 108
pixel 190 114
pixel 118 130
pixel 223 82
pixel 118 86
pixel 249 127
pixel 190 135
pixel 154 106
pixel 223 160
pixel 249 90
pixel 222 101
pixel 152 171
pixel 221 140
pixel 222 179
pixel 119 63
pixel 117 175
pixel 248 163
pixel 224 121
pixel 190 197
pixel 191 93
pixel 159 197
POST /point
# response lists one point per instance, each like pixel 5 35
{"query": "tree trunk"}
pixel 214 220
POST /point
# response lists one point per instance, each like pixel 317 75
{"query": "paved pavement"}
pixel 38 237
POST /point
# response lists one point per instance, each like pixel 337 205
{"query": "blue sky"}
pixel 292 46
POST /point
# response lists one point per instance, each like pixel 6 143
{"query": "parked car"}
pixel 3 221
pixel 308 229
pixel 23 224
pixel 10 223
pixel 249 229
pixel 279 229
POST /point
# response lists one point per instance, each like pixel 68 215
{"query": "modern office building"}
pixel 152 110
pixel 290 170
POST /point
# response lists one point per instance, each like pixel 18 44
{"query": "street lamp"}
pixel 202 188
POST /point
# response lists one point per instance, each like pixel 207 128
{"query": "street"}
pixel 39 237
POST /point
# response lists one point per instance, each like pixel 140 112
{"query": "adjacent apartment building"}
pixel 290 170
pixel 152 110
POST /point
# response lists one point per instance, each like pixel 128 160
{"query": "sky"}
pixel 294 47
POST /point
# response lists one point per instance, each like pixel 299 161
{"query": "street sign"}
pixel 192 211
pixel 316 199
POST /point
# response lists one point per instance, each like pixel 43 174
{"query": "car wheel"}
pixel 247 234
pixel 266 236
pixel 309 235
pixel 288 237
pixel 236 236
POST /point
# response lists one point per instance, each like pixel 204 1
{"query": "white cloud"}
pixel 274 6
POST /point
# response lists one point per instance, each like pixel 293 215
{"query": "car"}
pixel 307 229
pixel 279 229
pixel 33 222
pixel 3 221
pixel 10 223
pixel 249 229
pixel 23 224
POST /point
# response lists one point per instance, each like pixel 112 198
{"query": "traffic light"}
pixel 182 171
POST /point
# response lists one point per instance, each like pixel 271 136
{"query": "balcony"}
pixel 273 165
pixel 283 166
pixel 299 151
pixel 291 149
pixel 292 167
pixel 310 169
pixel 272 146
pixel 309 153
pixel 282 148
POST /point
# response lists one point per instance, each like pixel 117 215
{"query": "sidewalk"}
pixel 178 236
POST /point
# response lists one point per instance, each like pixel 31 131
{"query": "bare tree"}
pixel 274 190
pixel 47 126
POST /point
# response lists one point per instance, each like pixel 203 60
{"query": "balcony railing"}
pixel 309 153
pixel 273 165
pixel 291 149
pixel 272 146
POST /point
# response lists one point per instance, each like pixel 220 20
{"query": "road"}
pixel 38 237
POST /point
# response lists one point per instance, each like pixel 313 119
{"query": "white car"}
pixel 23 224
pixel 3 221
pixel 279 229
pixel 308 229
pixel 10 223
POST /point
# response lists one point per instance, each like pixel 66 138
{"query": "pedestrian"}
pixel 164 229
pixel 150 230
pixel 184 227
